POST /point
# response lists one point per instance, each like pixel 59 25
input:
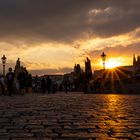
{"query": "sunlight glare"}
pixel 112 63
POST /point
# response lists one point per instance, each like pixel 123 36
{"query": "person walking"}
pixel 2 85
pixel 10 81
pixel 43 85
pixel 49 83
pixel 22 81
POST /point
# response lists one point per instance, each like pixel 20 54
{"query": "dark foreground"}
pixel 71 116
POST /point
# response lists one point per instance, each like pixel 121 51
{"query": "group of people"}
pixel 51 85
pixel 44 85
pixel 10 82
pixel 19 83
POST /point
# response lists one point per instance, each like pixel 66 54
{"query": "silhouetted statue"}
pixel 88 71
pixel 134 60
pixel 78 76
pixel 18 63
pixel 10 80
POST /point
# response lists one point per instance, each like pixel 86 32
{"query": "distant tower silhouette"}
pixel 136 63
pixel 138 60
pixel 134 60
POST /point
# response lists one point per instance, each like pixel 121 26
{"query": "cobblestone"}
pixel 71 116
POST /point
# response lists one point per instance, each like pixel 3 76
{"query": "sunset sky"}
pixel 50 36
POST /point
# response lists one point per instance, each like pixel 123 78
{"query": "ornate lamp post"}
pixel 103 56
pixel 3 62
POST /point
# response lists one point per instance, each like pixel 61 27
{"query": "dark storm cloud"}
pixel 66 20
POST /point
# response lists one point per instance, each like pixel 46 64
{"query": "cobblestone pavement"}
pixel 71 116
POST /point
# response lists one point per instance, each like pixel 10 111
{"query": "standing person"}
pixel 29 83
pixel 66 83
pixel 17 86
pixel 22 81
pixel 49 82
pixel 2 84
pixel 97 85
pixel 36 83
pixel 43 85
pixel 10 81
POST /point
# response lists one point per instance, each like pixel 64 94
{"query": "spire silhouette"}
pixel 134 60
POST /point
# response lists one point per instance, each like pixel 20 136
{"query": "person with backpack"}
pixel 10 81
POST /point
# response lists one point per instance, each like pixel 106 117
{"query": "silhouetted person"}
pixel 97 85
pixel 85 85
pixel 10 81
pixel 2 84
pixel 29 82
pixel 22 81
pixel 66 86
pixel 43 85
pixel 60 87
pixel 36 83
pixel 49 82
pixel 66 83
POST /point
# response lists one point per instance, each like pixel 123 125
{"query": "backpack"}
pixel 10 77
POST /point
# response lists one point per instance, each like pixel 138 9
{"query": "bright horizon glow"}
pixel 112 63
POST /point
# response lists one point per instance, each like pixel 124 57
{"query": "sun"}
pixel 112 63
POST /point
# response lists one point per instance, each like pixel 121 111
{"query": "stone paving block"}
pixel 3 133
pixel 123 135
pixel 12 127
pixel 137 134
pixel 21 135
pixel 85 135
pixel 23 139
pixel 4 120
pixel 34 127
pixel 18 131
pixel 35 121
pixel 3 130
pixel 46 123
pixel 4 138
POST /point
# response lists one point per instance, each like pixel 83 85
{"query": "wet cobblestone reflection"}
pixel 70 116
